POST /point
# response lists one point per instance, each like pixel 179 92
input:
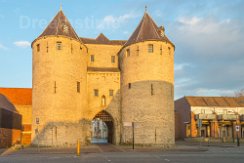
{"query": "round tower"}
pixel 147 86
pixel 59 84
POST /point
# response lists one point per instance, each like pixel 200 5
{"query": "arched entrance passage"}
pixel 102 128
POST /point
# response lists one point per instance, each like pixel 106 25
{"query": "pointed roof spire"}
pixel 60 8
pixel 60 25
pixel 145 8
pixel 146 30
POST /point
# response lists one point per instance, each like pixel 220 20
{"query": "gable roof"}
pixel 102 39
pixel 60 25
pixel 215 101
pixel 18 96
pixel 147 30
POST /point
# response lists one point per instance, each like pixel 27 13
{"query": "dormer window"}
pixel 150 48
pixel 59 45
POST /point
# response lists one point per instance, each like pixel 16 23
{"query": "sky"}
pixel 208 35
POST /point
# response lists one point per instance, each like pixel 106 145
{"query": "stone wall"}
pixel 55 76
pixel 102 55
pixel 103 82
pixel 147 88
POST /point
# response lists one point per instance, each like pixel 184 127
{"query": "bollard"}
pixel 78 148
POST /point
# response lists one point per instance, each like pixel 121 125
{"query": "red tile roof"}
pixel 102 39
pixel 18 96
pixel 215 101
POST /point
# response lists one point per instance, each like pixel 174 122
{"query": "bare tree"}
pixel 240 93
pixel 240 96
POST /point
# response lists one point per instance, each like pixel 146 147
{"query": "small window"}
pixel 59 45
pixel 137 50
pixel 161 50
pixel 71 48
pixel 78 87
pixel 38 47
pixel 111 92
pixel 92 58
pixel 47 47
pixel 55 87
pixel 129 85
pixel 169 50
pixel 152 91
pixel 103 101
pixel 127 52
pixel 96 93
pixel 112 59
pixel 150 48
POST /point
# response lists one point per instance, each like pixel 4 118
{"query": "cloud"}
pixel 115 22
pixel 22 44
pixel 212 92
pixel 213 47
pixel 189 21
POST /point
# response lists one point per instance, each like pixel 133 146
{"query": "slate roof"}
pixel 147 30
pixel 6 104
pixel 60 25
pixel 215 101
pixel 102 39
pixel 18 96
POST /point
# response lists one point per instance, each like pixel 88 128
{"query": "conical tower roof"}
pixel 146 30
pixel 60 26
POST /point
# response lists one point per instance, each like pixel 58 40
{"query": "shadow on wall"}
pixel 63 134
pixel 150 105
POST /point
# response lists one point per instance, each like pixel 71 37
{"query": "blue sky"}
pixel 208 34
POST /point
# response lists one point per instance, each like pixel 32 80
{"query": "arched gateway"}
pixel 102 128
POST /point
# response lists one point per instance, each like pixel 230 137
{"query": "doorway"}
pixel 102 128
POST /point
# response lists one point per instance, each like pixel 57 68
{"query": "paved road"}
pixel 212 155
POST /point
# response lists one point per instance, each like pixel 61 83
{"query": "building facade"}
pixel 10 123
pixel 210 117
pixel 128 84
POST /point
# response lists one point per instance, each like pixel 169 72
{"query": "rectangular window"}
pixel 161 50
pixel 150 48
pixel 111 92
pixel 78 87
pixel 92 58
pixel 55 87
pixel 169 50
pixel 59 45
pixel 152 91
pixel 129 85
pixel 71 48
pixel 112 59
pixel 47 47
pixel 127 52
pixel 96 93
pixel 38 47
pixel 137 50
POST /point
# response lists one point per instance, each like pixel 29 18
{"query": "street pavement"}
pixel 183 153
